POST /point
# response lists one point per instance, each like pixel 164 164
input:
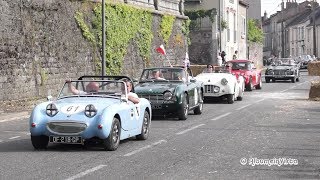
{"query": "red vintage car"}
pixel 251 74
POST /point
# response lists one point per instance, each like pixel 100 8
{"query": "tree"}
pixel 255 33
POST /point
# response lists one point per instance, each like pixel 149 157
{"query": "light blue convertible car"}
pixel 82 114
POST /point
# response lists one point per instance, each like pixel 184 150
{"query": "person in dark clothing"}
pixel 223 54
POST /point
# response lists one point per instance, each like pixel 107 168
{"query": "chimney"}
pixel 265 15
pixel 282 5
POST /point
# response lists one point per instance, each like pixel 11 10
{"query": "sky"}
pixel 271 6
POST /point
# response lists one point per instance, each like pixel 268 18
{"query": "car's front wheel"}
pixel 113 141
pixel 145 127
pixel 184 108
pixel 230 98
pixel 267 80
pixel 198 109
pixel 40 142
pixel 293 80
pixel 249 86
pixel 259 86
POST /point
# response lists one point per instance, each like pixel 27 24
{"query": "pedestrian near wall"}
pixel 235 55
pixel 223 56
pixel 219 59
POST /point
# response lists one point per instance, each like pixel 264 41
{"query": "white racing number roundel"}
pixel 72 109
pixel 195 96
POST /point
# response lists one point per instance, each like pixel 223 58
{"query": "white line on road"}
pixel 145 147
pixel 260 100
pixel 86 172
pixel 221 116
pixel 1 141
pixel 284 90
pixel 15 137
pixel 187 130
pixel 243 107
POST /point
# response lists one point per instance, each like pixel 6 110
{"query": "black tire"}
pixel 230 98
pixel 249 86
pixel 113 141
pixel 239 98
pixel 184 108
pixel 198 109
pixel 298 79
pixel 145 127
pixel 267 80
pixel 259 86
pixel 293 80
pixel 273 80
pixel 40 142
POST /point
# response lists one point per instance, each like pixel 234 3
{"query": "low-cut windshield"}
pixel 285 62
pixel 163 74
pixel 240 65
pixel 93 88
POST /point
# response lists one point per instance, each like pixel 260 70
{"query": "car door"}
pixel 131 116
pixel 254 74
pixel 192 89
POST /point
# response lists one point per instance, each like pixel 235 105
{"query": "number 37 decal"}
pixel 72 109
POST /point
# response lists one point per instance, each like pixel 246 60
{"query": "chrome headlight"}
pixel 224 81
pixel 167 95
pixel 90 110
pixel 216 89
pixel 51 110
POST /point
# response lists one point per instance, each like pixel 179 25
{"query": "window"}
pixel 234 28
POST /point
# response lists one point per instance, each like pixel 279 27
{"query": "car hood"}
pixel 155 88
pixel 281 67
pixel 99 102
pixel 213 77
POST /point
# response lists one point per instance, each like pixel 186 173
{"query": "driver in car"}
pixel 91 87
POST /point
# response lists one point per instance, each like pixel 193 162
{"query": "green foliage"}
pixel 84 28
pixel 224 25
pixel 124 24
pixel 186 29
pixel 195 14
pixel 166 27
pixel 255 34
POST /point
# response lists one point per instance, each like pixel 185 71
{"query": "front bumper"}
pixel 279 76
pixel 163 109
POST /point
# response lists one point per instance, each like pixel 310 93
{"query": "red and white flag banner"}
pixel 161 50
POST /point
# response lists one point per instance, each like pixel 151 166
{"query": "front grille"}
pixel 153 98
pixel 66 127
pixel 208 88
pixel 279 72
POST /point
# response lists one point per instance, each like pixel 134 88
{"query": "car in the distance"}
pixel 283 69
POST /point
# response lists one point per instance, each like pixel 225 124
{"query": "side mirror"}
pixel 123 98
pixel 193 80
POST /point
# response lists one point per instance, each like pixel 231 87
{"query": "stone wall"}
pixel 256 54
pixel 41 45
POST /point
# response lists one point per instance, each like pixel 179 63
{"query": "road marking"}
pixel 284 90
pixel 221 116
pixel 86 172
pixel 15 137
pixel 260 100
pixel 1 141
pixel 187 130
pixel 145 147
pixel 243 107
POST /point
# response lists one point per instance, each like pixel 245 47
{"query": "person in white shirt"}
pixel 133 97
pixel 219 59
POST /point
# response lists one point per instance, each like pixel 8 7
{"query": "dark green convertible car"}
pixel 172 91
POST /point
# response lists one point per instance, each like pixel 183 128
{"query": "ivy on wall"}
pixel 186 30
pixel 195 14
pixel 166 25
pixel 124 24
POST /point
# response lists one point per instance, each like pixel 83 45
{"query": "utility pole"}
pixel 282 31
pixel 314 29
pixel 219 21
pixel 103 63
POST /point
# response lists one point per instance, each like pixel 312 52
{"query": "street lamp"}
pixel 103 63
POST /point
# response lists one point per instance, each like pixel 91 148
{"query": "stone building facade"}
pixel 41 45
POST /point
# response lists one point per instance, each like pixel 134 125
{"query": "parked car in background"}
pixel 245 68
pixel 283 69
pixel 173 92
pixel 221 83
pixel 103 115
pixel 304 60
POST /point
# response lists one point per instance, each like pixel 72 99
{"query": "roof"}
pixel 317 17
pixel 301 18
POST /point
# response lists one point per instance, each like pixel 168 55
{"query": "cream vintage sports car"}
pixel 219 82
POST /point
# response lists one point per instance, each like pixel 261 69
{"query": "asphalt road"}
pixel 275 124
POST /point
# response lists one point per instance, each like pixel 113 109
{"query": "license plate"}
pixel 155 106
pixel 66 139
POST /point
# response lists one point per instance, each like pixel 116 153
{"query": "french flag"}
pixel 161 50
